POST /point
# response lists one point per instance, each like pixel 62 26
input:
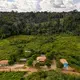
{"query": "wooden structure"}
pixel 3 62
pixel 41 58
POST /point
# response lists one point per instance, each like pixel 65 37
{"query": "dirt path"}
pixel 17 67
pixel 20 67
pixel 16 70
pixel 70 72
pixel 53 65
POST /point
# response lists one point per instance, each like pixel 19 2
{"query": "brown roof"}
pixel 41 58
pixel 2 62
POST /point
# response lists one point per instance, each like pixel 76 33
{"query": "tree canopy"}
pixel 40 23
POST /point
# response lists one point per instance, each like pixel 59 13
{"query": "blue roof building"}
pixel 66 65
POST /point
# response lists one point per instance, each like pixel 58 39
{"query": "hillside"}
pixel 57 46
pixel 48 35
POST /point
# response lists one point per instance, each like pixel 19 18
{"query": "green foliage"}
pixel 48 62
pixel 47 75
pixel 51 75
pixel 39 23
pixel 60 46
pixel 27 54
pixel 12 59
pixel 30 61
pixel 54 37
pixel 11 75
pixel 50 55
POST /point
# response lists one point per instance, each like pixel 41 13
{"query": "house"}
pixel 41 58
pixel 3 62
pixel 65 63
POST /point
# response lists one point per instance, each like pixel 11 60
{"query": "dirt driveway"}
pixel 17 67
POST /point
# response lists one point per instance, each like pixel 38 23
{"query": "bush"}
pixel 48 62
pixel 12 59
pixel 30 62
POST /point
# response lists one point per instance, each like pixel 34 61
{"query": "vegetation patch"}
pixel 53 46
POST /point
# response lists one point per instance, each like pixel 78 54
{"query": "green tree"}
pixel 12 59
pixel 30 62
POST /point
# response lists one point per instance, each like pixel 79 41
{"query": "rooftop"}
pixel 2 62
pixel 41 58
pixel 63 61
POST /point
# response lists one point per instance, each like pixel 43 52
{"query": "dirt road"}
pixel 17 67
pixel 71 72
pixel 20 67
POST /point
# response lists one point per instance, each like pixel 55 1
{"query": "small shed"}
pixel 65 63
pixel 23 60
pixel 3 62
pixel 41 58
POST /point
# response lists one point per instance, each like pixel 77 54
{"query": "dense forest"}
pixel 40 23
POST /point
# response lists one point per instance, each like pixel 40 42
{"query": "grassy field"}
pixel 62 46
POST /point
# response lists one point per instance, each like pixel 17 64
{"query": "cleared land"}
pixel 62 46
